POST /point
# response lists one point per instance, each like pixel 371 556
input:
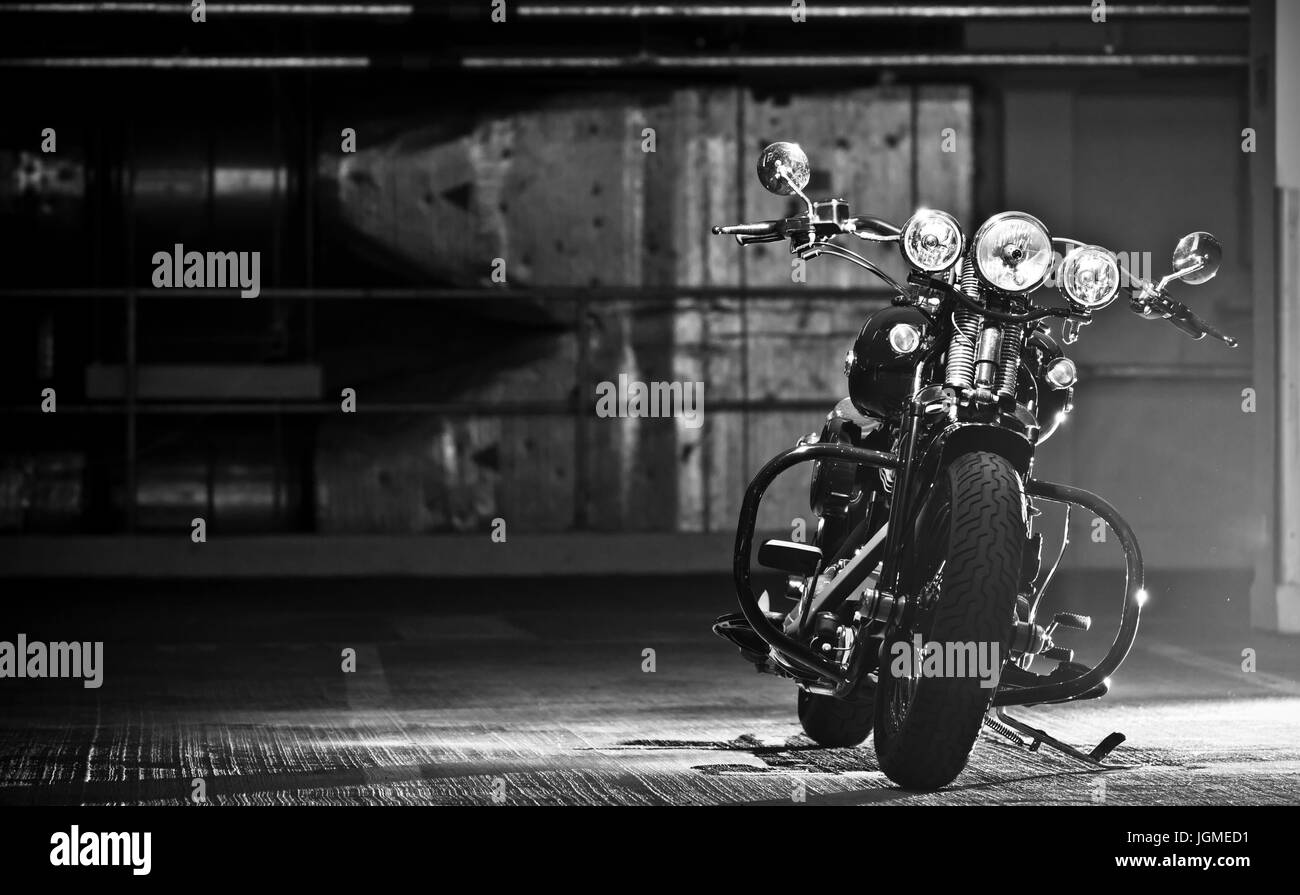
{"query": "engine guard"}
pixel 800 655
pixel 1134 595
pixel 790 649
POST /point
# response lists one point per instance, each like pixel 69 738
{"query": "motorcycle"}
pixel 916 605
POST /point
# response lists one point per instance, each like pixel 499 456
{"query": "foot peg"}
pixel 735 627
pixel 1075 622
pixel 1072 620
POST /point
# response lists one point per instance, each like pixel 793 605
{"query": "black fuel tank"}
pixel 880 379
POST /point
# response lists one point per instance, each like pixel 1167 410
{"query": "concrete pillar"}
pixel 1288 408
pixel 1275 188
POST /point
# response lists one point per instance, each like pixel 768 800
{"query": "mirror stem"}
pixel 784 171
pixel 1178 275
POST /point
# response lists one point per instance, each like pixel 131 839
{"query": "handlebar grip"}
pixel 1186 320
pixel 1152 303
pixel 761 228
pixel 1219 334
pixel 1187 323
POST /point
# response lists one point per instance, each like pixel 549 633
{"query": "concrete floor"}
pixel 533 692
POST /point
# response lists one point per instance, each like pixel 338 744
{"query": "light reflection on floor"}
pixel 457 705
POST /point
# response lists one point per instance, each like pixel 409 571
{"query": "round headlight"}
pixel 1013 251
pixel 904 338
pixel 1062 373
pixel 1090 277
pixel 932 240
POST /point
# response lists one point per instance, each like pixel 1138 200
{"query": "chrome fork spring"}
pixel 960 369
pixel 1013 335
pixel 967 279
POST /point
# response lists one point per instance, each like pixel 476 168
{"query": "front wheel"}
pixel 938 676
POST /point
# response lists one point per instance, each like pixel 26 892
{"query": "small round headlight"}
pixel 1061 373
pixel 1013 251
pixel 932 240
pixel 1090 277
pixel 904 338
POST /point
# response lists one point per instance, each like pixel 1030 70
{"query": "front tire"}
pixel 926 726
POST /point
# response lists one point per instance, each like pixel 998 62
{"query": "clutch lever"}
pixel 748 234
pixel 744 240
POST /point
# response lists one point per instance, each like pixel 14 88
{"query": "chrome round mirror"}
pixel 783 169
pixel 1197 257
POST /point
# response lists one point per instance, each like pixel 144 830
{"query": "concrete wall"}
pixel 565 194
pixel 1135 165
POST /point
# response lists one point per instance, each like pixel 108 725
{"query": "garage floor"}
pixel 534 692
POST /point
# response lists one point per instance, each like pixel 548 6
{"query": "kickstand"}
pixel 1009 727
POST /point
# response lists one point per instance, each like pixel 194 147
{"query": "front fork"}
pixel 898 508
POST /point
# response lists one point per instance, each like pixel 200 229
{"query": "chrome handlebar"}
pixel 810 234
pixel 826 219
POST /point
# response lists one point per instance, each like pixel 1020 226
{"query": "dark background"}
pixel 475 399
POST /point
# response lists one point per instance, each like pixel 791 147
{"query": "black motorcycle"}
pixel 915 607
